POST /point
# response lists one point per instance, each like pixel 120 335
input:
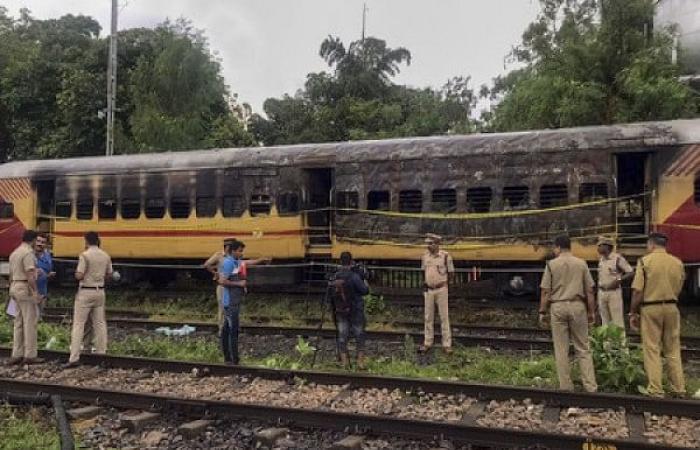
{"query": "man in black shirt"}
pixel 350 309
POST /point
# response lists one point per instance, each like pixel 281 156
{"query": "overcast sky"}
pixel 268 46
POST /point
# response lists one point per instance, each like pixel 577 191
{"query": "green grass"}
pixel 23 431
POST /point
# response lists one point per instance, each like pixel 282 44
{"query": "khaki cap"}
pixel 431 238
pixel 606 241
pixel 229 240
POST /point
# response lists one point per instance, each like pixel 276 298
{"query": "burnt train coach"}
pixel 498 199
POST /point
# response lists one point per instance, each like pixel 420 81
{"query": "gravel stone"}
pixel 593 422
pixel 517 415
pixel 672 430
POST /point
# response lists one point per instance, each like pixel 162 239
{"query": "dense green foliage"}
pixel 617 367
pixel 20 431
pixel 588 62
pixel 53 82
pixel 358 100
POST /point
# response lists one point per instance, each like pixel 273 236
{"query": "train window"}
pixel 64 209
pixel 410 201
pixel 479 199
pixel 591 192
pixel 378 200
pixel 697 190
pixel 84 207
pixel 515 197
pixel 232 206
pixel 444 201
pixel 7 210
pixel 107 209
pixel 155 208
pixel 347 200
pixel 206 206
pixel 260 205
pixel 288 203
pixel 180 208
pixel 553 195
pixel 131 208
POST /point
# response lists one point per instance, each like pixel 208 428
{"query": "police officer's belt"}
pixel 577 299
pixel 659 302
pixel 96 288
pixel 600 288
pixel 19 281
pixel 437 286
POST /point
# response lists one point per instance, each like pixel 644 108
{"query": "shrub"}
pixel 618 368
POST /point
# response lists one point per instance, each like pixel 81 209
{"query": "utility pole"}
pixel 364 20
pixel 112 81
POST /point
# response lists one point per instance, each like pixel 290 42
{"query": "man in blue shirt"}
pixel 233 278
pixel 44 265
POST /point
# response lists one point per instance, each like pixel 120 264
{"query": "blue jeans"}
pixel 353 322
pixel 229 333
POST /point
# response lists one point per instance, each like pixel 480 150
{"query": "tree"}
pixel 590 62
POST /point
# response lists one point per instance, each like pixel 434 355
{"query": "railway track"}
pixel 510 338
pixel 493 416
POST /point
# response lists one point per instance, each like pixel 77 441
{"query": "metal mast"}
pixel 112 81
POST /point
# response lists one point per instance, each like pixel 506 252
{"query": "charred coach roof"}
pixel 629 136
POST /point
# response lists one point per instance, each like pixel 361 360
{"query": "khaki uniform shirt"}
pixel 94 263
pixel 22 261
pixel 659 276
pixel 215 260
pixel 610 268
pixel 567 277
pixel 436 267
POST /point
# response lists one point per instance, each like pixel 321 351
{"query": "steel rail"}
pixel 327 419
pixel 541 343
pixel 551 397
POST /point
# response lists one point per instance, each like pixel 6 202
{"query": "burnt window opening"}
pixel 444 201
pixel 479 199
pixel 553 195
pixel 288 203
pixel 378 201
pixel 155 208
pixel 180 208
pixel 64 209
pixel 131 208
pixel 7 210
pixel 591 192
pixel 107 209
pixel 206 207
pixel 696 194
pixel 83 208
pixel 345 200
pixel 260 205
pixel 410 201
pixel 232 205
pixel 515 197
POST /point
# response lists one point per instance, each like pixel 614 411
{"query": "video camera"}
pixel 359 269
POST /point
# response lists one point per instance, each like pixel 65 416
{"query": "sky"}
pixel 268 46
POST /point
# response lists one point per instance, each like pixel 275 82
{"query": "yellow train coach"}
pixel 498 199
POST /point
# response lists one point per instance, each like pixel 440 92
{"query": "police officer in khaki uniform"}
pixel 613 269
pixel 25 294
pixel 94 266
pixel 437 265
pixel 657 283
pixel 567 292
pixel 213 265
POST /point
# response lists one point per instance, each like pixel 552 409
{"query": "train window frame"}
pixel 443 201
pixel 205 206
pixel 587 197
pixel 82 206
pixel 127 204
pixel 7 210
pixel 107 209
pixel 179 208
pixel 148 207
pixel 519 193
pixel 237 208
pixel 288 203
pixel 373 202
pixel 347 200
pixel 547 200
pixel 411 201
pixel 260 205
pixel 479 199
pixel 60 210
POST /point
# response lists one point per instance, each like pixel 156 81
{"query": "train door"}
pixel 633 210
pixel 317 203
pixel 45 206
